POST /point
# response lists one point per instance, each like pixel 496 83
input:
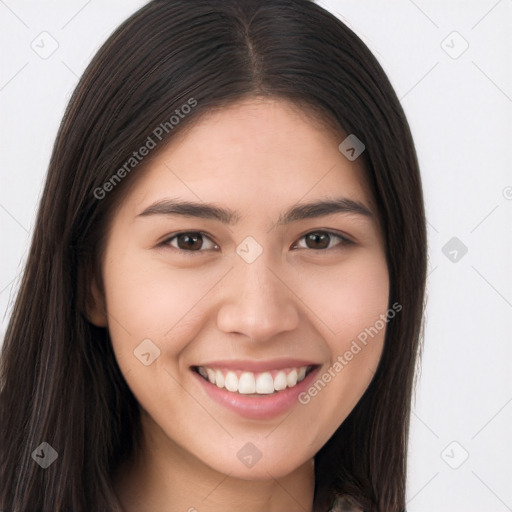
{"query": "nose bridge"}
pixel 255 269
pixel 256 302
pixel 258 282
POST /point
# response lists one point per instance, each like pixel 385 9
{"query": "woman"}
pixel 223 299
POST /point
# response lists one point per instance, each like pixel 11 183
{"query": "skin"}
pixel 258 157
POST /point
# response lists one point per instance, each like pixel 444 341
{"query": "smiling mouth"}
pixel 254 383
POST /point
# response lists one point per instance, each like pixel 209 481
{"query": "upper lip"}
pixel 257 366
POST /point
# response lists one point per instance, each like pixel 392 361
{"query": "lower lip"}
pixel 257 407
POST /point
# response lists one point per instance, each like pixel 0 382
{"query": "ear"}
pixel 95 310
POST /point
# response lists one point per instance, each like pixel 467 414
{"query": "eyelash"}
pixel 344 241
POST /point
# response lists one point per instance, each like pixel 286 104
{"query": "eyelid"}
pixel 344 240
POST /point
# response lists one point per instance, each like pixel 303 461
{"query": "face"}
pixel 247 325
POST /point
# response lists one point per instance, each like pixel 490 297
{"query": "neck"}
pixel 173 480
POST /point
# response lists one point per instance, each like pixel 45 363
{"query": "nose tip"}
pixel 256 302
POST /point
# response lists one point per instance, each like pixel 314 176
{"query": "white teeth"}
pixel 265 383
pixel 280 381
pixel 291 378
pixel 219 379
pixel 250 383
pixel 231 382
pixel 211 375
pixel 246 383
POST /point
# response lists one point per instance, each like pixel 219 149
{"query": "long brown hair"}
pixel 60 382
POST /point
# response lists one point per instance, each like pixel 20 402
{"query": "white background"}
pixel 460 112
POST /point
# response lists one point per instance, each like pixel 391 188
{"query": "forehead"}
pixel 254 155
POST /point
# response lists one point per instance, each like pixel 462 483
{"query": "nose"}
pixel 257 301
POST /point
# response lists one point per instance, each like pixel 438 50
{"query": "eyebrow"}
pixel 230 217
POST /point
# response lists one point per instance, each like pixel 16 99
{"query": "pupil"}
pixel 191 242
pixel 322 238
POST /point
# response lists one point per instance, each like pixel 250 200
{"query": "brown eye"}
pixel 186 241
pixel 191 241
pixel 319 240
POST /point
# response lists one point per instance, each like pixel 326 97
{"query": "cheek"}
pixel 351 304
pixel 149 299
pixel 350 298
